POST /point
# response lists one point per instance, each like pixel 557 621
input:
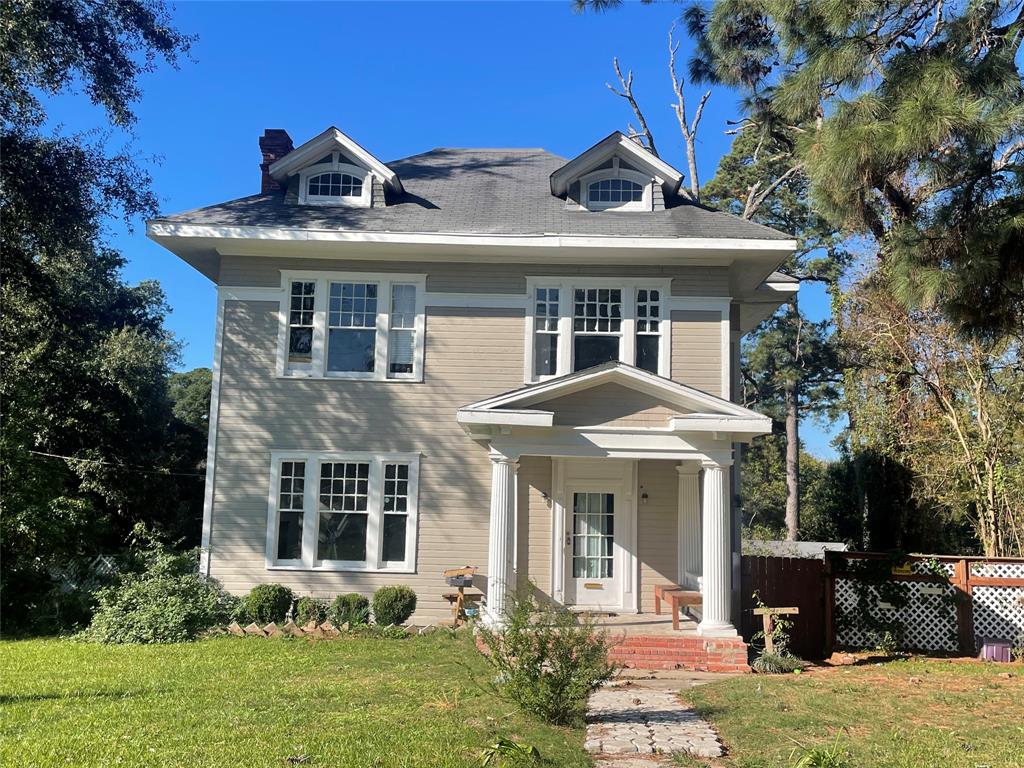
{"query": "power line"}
pixel 138 469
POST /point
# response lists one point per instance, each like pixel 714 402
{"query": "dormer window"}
pixel 328 185
pixel 334 181
pixel 615 188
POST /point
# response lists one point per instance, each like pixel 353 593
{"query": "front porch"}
pixel 606 483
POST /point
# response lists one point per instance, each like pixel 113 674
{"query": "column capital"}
pixel 707 463
pixel 688 468
pixel 500 458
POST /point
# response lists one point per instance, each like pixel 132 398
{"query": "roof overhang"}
pixel 615 143
pixel 760 304
pixel 203 245
pixel 329 140
pixel 705 413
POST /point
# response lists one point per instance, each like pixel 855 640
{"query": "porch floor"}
pixel 646 625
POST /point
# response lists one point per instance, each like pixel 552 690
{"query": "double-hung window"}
pixel 343 511
pixel 353 326
pixel 577 323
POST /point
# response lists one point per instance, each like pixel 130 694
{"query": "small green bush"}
pixel 309 609
pixel 777 663
pixel 548 659
pixel 352 609
pixel 268 602
pixel 168 602
pixel 393 605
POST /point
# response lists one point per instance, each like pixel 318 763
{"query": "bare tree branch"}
pixel 687 128
pixel 756 196
pixel 626 84
pixel 1004 157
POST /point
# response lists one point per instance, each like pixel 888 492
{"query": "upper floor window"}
pixel 353 326
pixel 601 320
pixel 335 181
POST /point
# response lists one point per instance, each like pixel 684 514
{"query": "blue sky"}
pixel 400 78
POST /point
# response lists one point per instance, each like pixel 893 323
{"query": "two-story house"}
pixel 492 357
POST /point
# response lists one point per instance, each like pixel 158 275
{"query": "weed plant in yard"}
pixel 900 714
pixel 356 702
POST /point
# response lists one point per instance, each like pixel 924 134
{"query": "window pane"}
pixel 647 352
pixel 289 536
pixel 300 344
pixel 342 536
pixel 300 321
pixel 394 538
pixel 546 354
pixel 351 350
pixel 594 350
pixel 400 351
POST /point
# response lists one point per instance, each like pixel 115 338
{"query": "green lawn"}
pixel 253 702
pixel 901 714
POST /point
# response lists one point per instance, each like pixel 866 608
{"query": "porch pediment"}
pixel 614 395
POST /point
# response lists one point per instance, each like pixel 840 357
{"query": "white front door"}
pixel 593 565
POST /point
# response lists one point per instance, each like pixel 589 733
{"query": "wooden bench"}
pixel 677 597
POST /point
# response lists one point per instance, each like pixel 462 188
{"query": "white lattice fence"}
pixel 926 620
pixel 922 612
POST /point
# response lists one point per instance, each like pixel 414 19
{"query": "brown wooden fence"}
pixel 787 582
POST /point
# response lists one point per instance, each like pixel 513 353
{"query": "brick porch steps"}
pixel 684 652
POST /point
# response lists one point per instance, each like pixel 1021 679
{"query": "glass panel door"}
pixel 593 535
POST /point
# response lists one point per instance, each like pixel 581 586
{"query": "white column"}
pixel 689 523
pixel 717 549
pixel 501 536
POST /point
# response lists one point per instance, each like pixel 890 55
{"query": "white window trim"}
pixel 317 369
pixel 375 511
pixel 335 166
pixel 615 172
pixel 627 346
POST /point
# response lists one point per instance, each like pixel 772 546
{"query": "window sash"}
pixel 632 336
pixel 359 337
pixel 371 497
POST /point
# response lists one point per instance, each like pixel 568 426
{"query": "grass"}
pixel 900 714
pixel 253 702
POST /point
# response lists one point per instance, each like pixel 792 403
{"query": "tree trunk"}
pixel 792 463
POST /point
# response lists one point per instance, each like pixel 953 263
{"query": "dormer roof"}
pixel 329 141
pixel 615 144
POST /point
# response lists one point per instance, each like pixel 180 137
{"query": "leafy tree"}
pixel 908 118
pixel 85 357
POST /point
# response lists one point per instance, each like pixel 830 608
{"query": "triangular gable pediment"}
pixel 314 151
pixel 612 405
pixel 615 394
pixel 630 154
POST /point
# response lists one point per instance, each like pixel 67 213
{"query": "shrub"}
pixel 393 605
pixel 353 609
pixel 777 663
pixel 268 602
pixel 169 602
pixel 309 609
pixel 548 659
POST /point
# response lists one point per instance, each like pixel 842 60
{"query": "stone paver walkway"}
pixel 638 720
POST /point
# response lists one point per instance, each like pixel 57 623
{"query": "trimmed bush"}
pixel 353 609
pixel 548 660
pixel 268 602
pixel 168 602
pixel 309 609
pixel 393 605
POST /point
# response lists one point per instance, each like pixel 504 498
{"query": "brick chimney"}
pixel 275 143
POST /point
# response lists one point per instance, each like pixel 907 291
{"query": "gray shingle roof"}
pixel 483 191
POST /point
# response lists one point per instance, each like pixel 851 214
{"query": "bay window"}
pixel 353 326
pixel 596 320
pixel 342 511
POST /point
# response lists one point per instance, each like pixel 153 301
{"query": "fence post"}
pixel 830 601
pixel 964 606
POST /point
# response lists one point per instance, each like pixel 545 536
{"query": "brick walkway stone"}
pixel 640 721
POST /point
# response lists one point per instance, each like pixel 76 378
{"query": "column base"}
pixel 716 629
